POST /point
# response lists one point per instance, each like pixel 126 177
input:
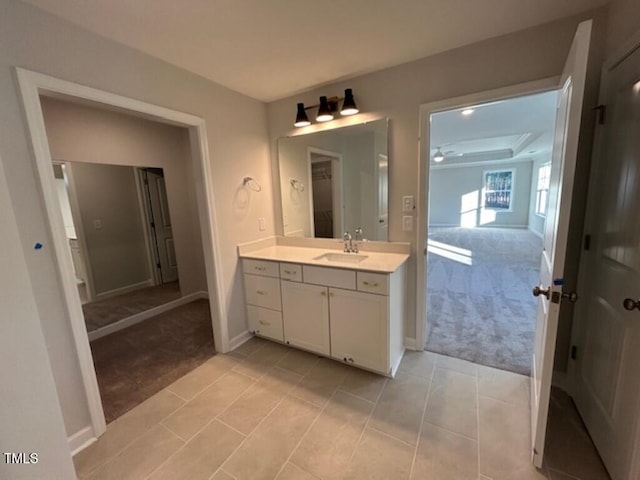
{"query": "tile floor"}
pixel 270 412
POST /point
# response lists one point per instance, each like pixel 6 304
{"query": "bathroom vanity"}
pixel 309 294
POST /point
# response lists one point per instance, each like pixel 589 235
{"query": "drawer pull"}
pixel 371 284
pixel 261 292
pixel 290 272
pixel 260 269
pixel 262 322
pixel 323 293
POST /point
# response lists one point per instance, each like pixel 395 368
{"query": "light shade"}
pixel 438 156
pixel 349 105
pixel 301 117
pixel 324 111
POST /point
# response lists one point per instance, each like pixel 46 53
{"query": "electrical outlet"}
pixel 261 225
pixel 97 224
pixel 407 223
pixel 408 204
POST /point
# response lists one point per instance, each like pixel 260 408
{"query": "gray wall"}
pixel 451 188
pixel 116 252
pixel 236 130
pixel 398 92
pixel 89 135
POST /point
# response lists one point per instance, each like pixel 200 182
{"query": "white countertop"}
pixel 381 262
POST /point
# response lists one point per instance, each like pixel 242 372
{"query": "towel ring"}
pixel 252 183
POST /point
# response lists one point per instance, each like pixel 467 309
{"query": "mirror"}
pixel 336 181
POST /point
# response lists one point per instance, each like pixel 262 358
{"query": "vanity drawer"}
pixel 291 271
pixel 373 283
pixel 265 322
pixel 260 267
pixel 263 291
pixel 330 277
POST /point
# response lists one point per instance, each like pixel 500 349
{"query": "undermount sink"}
pixel 341 257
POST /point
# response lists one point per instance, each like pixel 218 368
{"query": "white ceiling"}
pixel 271 49
pixel 515 129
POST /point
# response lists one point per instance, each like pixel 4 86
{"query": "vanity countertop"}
pixel 381 262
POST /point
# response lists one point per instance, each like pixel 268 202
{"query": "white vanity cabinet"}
pixel 354 316
pixel 305 313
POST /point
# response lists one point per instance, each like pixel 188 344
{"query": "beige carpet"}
pixel 139 361
pixel 479 302
pixel 100 313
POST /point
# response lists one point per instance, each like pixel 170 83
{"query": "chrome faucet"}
pixel 351 246
pixel 347 242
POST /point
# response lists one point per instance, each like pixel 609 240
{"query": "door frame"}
pixel 31 85
pixel 336 187
pixel 422 207
pixel 143 201
pixel 591 211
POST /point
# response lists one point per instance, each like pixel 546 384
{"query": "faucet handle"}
pixel 358 234
pixel 346 236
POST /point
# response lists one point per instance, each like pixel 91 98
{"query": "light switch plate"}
pixel 261 225
pixel 407 223
pixel 408 204
pixel 97 224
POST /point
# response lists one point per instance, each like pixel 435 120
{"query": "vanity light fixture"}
pixel 438 156
pixel 327 108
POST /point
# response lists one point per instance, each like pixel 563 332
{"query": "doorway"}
pixel 32 85
pixel 486 215
pixel 325 175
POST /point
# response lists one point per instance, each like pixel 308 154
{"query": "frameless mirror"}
pixel 336 181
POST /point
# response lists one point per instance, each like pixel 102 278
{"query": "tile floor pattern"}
pixel 270 412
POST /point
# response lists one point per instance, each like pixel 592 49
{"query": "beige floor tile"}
pixel 261 360
pixel 326 449
pixel 203 376
pixel 502 385
pixel 400 407
pixel 504 439
pixel 250 346
pixel 222 475
pixel 125 430
pixel 202 455
pixel 266 450
pixel 205 406
pixel 363 384
pixel 292 472
pixel 141 457
pixel 418 363
pixel 380 457
pixel 456 364
pixel 322 380
pixel 443 455
pixel 452 402
pixel 252 406
pixel 298 361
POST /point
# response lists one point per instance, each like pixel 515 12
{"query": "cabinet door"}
pixel 359 328
pixel 305 316
pixel 265 322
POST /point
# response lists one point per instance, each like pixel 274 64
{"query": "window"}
pixel 498 193
pixel 542 190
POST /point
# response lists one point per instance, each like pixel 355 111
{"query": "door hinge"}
pixel 153 224
pixel 158 265
pixel 587 242
pixel 425 250
pixel 574 352
pixel 602 113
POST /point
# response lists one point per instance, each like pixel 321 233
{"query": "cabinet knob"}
pixel 323 293
pixel 260 269
pixel 261 292
pixel 262 322
pixel 290 272
pixel 371 284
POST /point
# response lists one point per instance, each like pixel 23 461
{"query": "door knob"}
pixel 537 291
pixel 630 304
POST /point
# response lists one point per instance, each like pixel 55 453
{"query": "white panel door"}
pixel 359 332
pixel 305 315
pixel 605 371
pixel 563 164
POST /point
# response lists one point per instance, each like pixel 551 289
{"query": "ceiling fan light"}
pixel 349 105
pixel 438 156
pixel 324 111
pixel 301 117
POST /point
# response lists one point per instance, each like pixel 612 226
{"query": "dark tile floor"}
pixel 137 362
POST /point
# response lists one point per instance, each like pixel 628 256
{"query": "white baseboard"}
pixel 238 340
pixel 122 290
pixel 410 344
pixel 536 233
pixel 139 317
pixel 81 440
